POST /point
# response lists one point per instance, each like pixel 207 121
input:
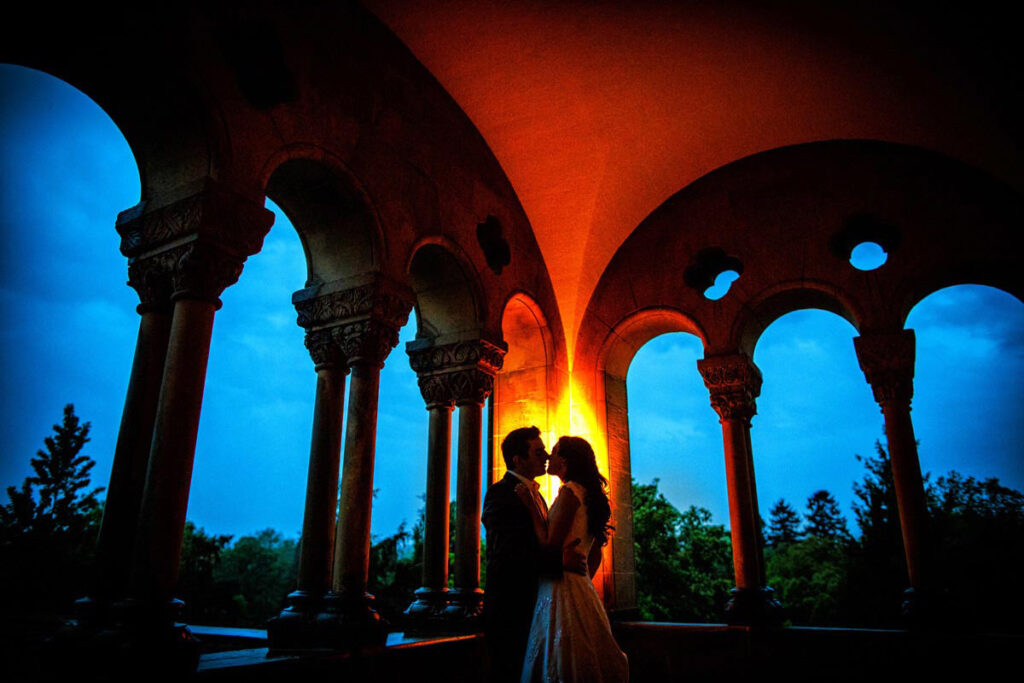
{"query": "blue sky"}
pixel 70 326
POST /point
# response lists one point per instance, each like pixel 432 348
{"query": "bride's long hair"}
pixel 581 467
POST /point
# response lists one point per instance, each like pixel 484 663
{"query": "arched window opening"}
pixel 815 416
pixel 252 452
pixel 399 482
pixel 67 171
pixel 868 256
pixel 967 405
pixel 680 502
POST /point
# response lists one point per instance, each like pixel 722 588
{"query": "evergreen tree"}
pixel 824 520
pixel 61 474
pixel 783 524
pixel 50 524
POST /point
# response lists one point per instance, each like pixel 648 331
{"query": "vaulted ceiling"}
pixel 600 111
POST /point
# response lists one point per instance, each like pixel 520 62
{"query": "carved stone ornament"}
pixel 462 372
pixel 887 360
pixel 366 341
pixel 365 300
pixel 206 209
pixel 323 349
pixel 203 271
pixel 734 383
pixel 363 321
pixel 152 278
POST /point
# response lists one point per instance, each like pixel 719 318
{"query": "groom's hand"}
pixel 573 560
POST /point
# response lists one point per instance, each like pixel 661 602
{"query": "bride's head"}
pixel 575 458
pixel 577 461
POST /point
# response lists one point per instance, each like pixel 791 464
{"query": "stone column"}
pixel 296 625
pixel 151 278
pixel 887 359
pixel 432 596
pixel 207 232
pixel 734 383
pixel 362 315
pixel 465 370
pixel 467 597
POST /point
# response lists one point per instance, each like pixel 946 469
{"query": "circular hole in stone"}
pixel 722 284
pixel 868 256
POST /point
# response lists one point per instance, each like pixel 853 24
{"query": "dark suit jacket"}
pixel 514 563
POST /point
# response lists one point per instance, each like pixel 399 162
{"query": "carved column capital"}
pixel 324 349
pixel 193 240
pixel 362 318
pixel 734 383
pixel 887 359
pixel 152 279
pixel 460 372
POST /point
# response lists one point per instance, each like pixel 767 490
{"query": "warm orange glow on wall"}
pixel 577 419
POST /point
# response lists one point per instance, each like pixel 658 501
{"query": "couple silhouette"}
pixel 543 619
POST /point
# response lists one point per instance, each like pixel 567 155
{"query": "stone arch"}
pixel 528 386
pixel 448 295
pixel 334 217
pixel 624 340
pixel 785 298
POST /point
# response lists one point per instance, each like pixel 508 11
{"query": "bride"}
pixel 570 637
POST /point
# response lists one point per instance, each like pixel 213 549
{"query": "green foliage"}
pixel 809 577
pixel 394 572
pixel 978 527
pixel 243 584
pixel 263 570
pixel 205 600
pixel 51 522
pixel 684 563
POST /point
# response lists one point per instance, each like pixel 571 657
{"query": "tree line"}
pixel 823 573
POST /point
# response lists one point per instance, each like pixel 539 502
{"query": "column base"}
pixel 753 607
pixel 126 640
pixel 464 613
pixel 424 615
pixel 923 609
pixel 335 622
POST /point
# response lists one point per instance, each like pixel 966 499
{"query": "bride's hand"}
pixel 523 491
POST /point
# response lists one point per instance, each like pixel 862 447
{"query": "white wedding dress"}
pixel 570 638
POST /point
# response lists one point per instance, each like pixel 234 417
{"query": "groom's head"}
pixel 524 453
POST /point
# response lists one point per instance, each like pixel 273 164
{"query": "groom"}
pixel 514 557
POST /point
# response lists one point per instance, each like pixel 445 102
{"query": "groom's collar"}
pixel 535 486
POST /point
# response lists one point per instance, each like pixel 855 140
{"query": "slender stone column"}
pixel 296 626
pixel 734 383
pixel 203 273
pixel 887 359
pixel 324 462
pixel 151 279
pixel 460 373
pixel 432 596
pixel 467 596
pixel 362 317
pixel 352 556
